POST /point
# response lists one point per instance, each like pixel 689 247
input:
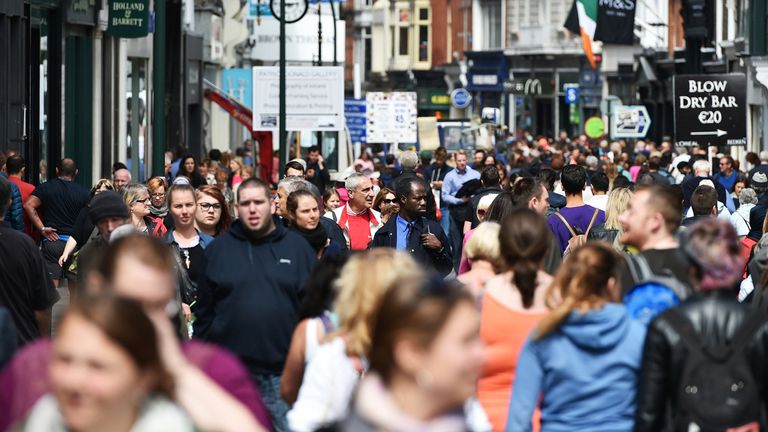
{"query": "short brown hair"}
pixel 703 200
pixel 150 251
pixel 668 201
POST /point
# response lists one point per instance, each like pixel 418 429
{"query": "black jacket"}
pixel 249 292
pixel 431 205
pixel 441 261
pixel 715 317
pixel 334 232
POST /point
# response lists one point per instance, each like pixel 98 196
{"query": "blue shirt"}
pixel 403 230
pixel 453 182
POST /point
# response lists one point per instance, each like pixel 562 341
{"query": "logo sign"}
pixel 314 98
pixel 354 112
pixel 630 121
pixel 391 117
pixel 571 94
pixel 128 18
pixel 710 110
pixel 460 98
pixel 594 127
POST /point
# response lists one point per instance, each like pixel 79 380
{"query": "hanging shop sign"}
pixel 128 18
pixel 710 110
pixel 630 121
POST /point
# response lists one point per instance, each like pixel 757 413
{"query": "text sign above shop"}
pixel 128 18
pixel 710 110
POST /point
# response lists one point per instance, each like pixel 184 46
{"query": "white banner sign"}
pixel 301 40
pixel 314 98
pixel 391 117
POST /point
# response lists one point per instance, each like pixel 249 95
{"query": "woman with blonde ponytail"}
pixel 583 359
pixel 512 304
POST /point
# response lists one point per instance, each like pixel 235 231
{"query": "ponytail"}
pixel 523 242
pixel 524 273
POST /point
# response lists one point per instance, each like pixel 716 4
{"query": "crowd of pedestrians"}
pixel 548 285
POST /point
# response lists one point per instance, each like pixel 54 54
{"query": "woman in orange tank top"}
pixel 512 305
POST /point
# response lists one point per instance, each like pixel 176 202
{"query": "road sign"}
pixel 630 121
pixel 354 112
pixel 315 98
pixel 594 127
pixel 571 94
pixel 391 117
pixel 460 98
pixel 710 110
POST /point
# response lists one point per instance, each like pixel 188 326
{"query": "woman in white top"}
pixel 316 320
pixel 336 368
pixel 740 218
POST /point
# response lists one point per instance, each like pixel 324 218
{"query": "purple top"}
pixel 576 217
pixel 25 379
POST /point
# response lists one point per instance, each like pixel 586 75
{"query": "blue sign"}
pixel 571 94
pixel 238 84
pixel 460 98
pixel 354 112
pixel 258 8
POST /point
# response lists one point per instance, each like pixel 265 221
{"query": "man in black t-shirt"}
pixel 25 288
pixel 649 223
pixel 52 209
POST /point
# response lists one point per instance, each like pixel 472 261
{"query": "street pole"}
pixel 283 136
pixel 158 79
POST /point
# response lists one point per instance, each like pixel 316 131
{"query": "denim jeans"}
pixel 269 386
pixel 445 222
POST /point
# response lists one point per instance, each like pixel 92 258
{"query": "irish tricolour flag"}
pixel 587 10
pixel 582 20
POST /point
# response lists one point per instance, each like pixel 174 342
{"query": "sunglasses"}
pixel 389 201
pixel 143 201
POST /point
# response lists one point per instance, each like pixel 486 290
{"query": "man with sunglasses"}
pixel 413 233
pixel 727 178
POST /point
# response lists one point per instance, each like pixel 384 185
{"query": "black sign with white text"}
pixel 710 110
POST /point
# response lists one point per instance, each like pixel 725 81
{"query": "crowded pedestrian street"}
pixel 383 216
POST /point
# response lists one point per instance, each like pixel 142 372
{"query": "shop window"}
pixel 403 51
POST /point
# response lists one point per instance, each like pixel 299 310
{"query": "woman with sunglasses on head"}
pixel 187 241
pixel 386 204
pixel 582 361
pixel 136 197
pixel 425 358
pixel 211 384
pixel 212 215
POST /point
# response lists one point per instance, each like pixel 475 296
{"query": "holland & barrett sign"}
pixel 128 18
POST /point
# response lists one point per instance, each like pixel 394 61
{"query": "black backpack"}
pixel 717 390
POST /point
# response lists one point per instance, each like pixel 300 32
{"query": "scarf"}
pixel 159 212
pixel 317 238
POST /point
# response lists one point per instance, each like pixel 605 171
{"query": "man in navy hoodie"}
pixel 250 289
